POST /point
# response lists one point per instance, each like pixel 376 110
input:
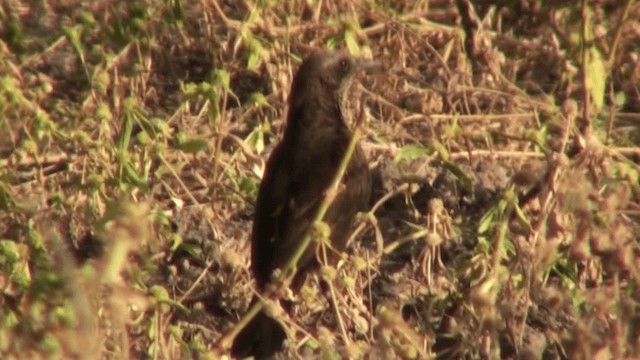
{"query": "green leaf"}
pixel 9 251
pixel 222 78
pixel 620 98
pixel 177 11
pixel 73 35
pixel 410 152
pixel 256 52
pixel 258 99
pixel 488 221
pixel 192 145
pixel 159 293
pixel 594 64
pixel 596 78
pixel 536 136
pixel 132 176
pixel 351 42
pixel 125 138
pixel 463 180
pixel 441 149
pixel 256 139
pixel 332 42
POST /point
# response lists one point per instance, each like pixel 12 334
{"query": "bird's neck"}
pixel 310 107
pixel 322 120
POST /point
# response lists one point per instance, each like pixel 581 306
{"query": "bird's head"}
pixel 327 73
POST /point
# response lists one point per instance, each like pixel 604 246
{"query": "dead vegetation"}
pixel 504 142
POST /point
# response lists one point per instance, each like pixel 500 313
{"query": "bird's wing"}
pixel 269 215
pixel 289 196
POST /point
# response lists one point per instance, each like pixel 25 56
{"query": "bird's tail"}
pixel 261 338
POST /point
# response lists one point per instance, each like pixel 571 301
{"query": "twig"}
pixel 499 154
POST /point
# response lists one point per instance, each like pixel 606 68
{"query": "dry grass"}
pixel 504 142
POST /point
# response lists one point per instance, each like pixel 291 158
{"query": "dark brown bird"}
pixel 297 176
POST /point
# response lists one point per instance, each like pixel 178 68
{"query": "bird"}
pixel 296 179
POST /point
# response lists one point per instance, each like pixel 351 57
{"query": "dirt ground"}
pixel 502 138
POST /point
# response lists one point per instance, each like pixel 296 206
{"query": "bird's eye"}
pixel 344 64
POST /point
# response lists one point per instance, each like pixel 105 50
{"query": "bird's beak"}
pixel 370 66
